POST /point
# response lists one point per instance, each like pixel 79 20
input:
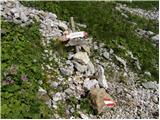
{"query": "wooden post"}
pixel 73 25
pixel 74 30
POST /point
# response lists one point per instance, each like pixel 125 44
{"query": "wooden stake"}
pixel 74 30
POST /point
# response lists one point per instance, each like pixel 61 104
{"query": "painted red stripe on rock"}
pixel 110 105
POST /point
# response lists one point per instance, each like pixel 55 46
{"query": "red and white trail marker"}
pixel 109 102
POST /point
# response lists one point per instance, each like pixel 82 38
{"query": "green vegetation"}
pixel 21 71
pixel 106 24
pixel 146 24
pixel 147 5
pixel 87 107
pixel 22 53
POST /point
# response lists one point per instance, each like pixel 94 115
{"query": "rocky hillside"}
pixel 44 77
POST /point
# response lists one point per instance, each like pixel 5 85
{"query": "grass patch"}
pixel 86 106
pixel 146 5
pixel 145 24
pixel 21 71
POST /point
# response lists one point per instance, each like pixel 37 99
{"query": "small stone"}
pixel 150 85
pixel 122 61
pixel 155 99
pixel 129 96
pixel 89 84
pixel 23 17
pixel 156 38
pixel 42 90
pixel 111 51
pixel 66 72
pixel 14 10
pixel 81 25
pixel 60 78
pixel 56 116
pixel 72 110
pixel 69 62
pixel 147 73
pixel 150 33
pixel 126 16
pixel 78 106
pixel 82 115
pixel 54 84
pixel 52 16
pixel 16 15
pixel 69 91
pixel 40 82
pixel 67 112
pixel 97 61
pixel 63 26
pixel 81 57
pixel 46 51
pixel 90 69
pixel 95 47
pixel 86 48
pixel 57 97
pixel 37 18
pixel 101 45
pixel 72 117
pixel 79 67
pixel 49 67
pixel 70 56
pixel 106 55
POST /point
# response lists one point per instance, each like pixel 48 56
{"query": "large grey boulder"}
pixel 101 77
pixel 81 57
